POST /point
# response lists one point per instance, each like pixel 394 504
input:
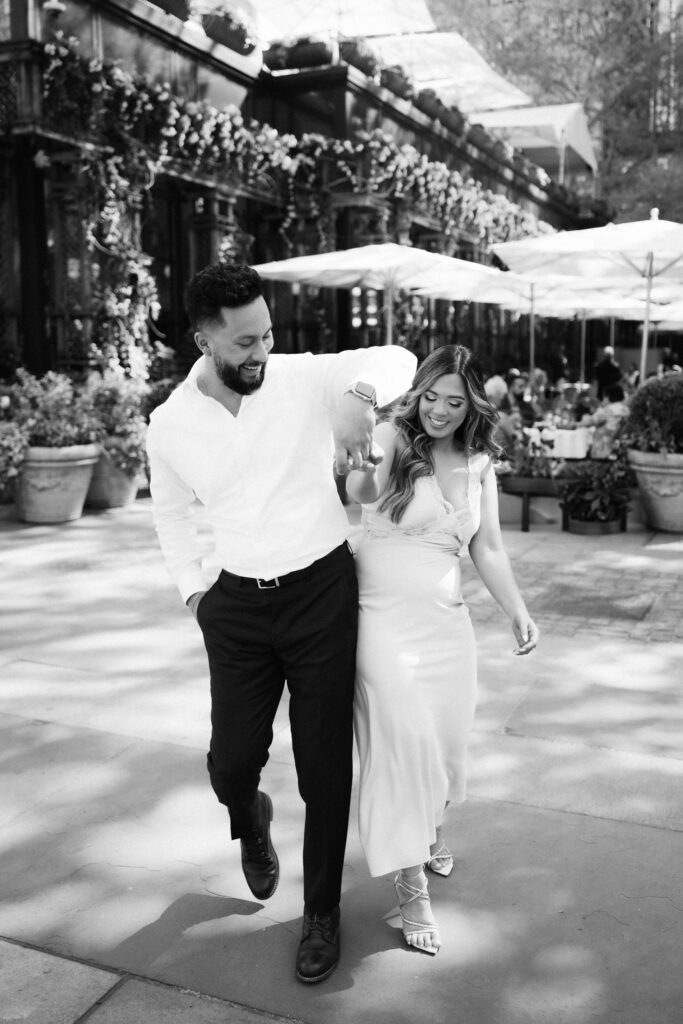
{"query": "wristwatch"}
pixel 364 391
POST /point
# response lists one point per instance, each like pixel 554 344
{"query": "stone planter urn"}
pixel 660 482
pixel 109 486
pixel 53 483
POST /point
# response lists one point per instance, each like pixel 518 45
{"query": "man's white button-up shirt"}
pixel 265 475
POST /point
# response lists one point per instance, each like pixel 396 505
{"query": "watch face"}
pixel 365 390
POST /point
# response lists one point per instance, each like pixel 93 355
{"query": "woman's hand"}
pixel 526 634
pixel 352 427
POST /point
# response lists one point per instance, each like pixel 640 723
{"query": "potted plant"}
pixel 654 435
pixel 13 445
pixel 275 57
pixel 118 403
pixel 222 24
pixel 428 102
pixel 396 79
pixel 532 471
pixel 357 53
pixel 597 496
pixel 478 136
pixel 61 430
pixel 454 119
pixel 309 53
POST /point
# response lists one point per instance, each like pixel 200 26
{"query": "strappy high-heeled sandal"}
pixel 441 861
pixel 412 930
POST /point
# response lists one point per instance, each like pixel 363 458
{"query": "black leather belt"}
pixel 343 551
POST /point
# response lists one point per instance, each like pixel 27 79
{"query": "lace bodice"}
pixel 429 516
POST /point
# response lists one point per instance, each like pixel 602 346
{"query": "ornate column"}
pixel 217 233
pixel 70 264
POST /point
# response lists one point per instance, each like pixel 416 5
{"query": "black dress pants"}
pixel 302 632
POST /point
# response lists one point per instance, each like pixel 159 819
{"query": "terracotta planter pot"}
pixel 53 483
pixel 109 486
pixel 660 482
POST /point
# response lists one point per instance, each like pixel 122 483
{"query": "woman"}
pixel 432 494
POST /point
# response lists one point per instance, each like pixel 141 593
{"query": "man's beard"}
pixel 230 376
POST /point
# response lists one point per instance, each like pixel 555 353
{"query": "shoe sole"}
pixel 441 874
pixel 318 977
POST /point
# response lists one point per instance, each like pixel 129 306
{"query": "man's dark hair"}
pixel 219 285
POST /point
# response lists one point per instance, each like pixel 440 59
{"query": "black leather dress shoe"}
pixel 319 949
pixel 259 859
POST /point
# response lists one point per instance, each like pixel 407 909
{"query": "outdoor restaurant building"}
pixel 142 140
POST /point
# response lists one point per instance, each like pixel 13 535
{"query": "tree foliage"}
pixel 622 59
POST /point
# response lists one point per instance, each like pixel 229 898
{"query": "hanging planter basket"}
pixel 359 56
pixel 428 102
pixel 309 53
pixel 53 483
pixel 395 79
pixel 179 8
pixel 222 29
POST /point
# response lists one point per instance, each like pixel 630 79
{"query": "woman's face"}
pixel 444 406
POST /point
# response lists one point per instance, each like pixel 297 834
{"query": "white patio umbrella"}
pixel 386 267
pixel 619 254
pixel 591 304
pixel 532 295
pixel 549 295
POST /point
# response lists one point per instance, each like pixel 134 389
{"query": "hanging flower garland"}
pixel 147 129
pixel 374 164
pixel 146 122
pixel 124 289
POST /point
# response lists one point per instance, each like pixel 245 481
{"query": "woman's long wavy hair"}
pixel 413 457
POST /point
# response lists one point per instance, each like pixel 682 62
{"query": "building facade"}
pixel 142 140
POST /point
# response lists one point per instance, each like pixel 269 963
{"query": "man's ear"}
pixel 201 343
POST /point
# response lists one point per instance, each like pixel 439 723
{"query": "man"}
pixel 516 398
pixel 607 371
pixel 251 435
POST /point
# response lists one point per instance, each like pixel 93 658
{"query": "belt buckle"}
pixel 268 584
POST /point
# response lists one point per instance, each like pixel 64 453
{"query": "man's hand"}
pixel 194 601
pixel 352 427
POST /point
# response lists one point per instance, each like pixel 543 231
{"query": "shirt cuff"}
pixel 390 371
pixel 190 581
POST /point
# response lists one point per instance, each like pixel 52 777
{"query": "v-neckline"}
pixel 448 504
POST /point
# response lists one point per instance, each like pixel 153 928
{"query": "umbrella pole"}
pixel 389 314
pixel 646 323
pixel 532 337
pixel 582 368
